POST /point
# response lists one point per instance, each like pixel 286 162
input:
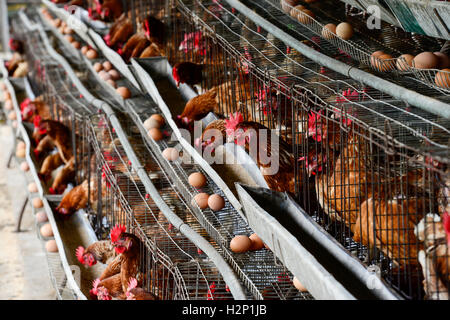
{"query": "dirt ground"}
pixel 24 271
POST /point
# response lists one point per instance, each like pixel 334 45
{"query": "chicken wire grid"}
pixel 364 42
pixel 95 84
pixel 269 290
pixel 267 57
pixel 64 48
pixel 189 273
pixel 174 267
pixel 65 105
pixel 54 260
pixel 264 276
pixel 56 270
pixel 396 133
pixel 64 102
pixel 191 234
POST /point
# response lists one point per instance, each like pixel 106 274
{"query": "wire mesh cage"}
pixel 368 167
pixel 256 269
pixel 380 47
pixel 369 34
pixel 372 170
pixel 173 267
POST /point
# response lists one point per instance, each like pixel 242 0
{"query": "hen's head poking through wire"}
pixel 121 240
pixel 85 258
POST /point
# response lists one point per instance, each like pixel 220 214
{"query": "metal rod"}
pixel 22 210
pixel 413 98
pixel 4 26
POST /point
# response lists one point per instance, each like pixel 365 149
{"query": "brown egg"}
pixel 287 5
pixel 84 50
pixel 107 65
pixel 298 285
pixel 51 246
pixel 329 31
pixel 373 58
pixel 112 83
pixel 32 187
pixel 46 230
pixel 344 30
pixel 69 38
pixel 76 45
pixel 104 75
pixel 155 134
pixel 425 60
pixel 404 62
pixel 37 203
pixel 98 67
pixel 24 166
pixel 197 180
pixel 171 154
pixel 56 23
pixel 305 16
pixel 201 200
pixel 442 78
pixel 115 75
pixel 92 54
pixel 6 96
pixel 257 243
pixel 158 118
pixel 295 10
pixel 444 60
pixel 240 244
pixel 68 30
pixel 124 92
pixel 385 63
pixel 216 202
pixel 9 105
pixel 151 123
pixel 12 115
pixel 21 145
pixel 41 217
pixel 20 153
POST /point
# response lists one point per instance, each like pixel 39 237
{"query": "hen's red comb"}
pixel 95 284
pixel 234 120
pixel 176 76
pixel 25 103
pixel 446 223
pixel 79 253
pixel 147 28
pixel 312 119
pixel 132 284
pixel 117 231
pixel 37 121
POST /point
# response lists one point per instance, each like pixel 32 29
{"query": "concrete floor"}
pixel 24 271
